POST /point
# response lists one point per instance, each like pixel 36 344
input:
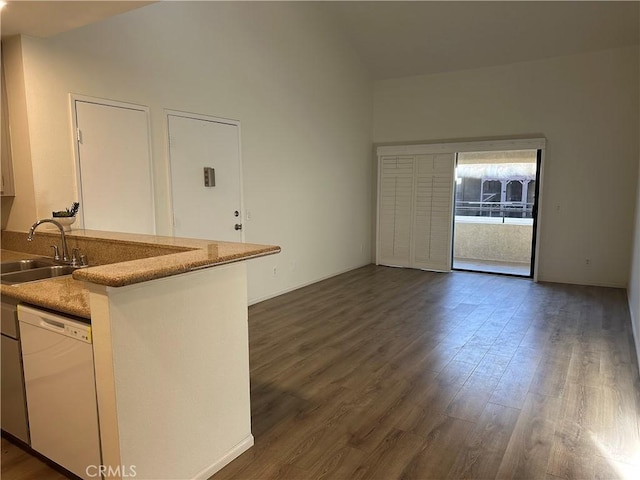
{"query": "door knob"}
pixel 238 226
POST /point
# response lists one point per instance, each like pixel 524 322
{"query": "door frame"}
pixel 207 118
pixel 73 98
pixel 534 214
pixel 534 143
pixel 536 210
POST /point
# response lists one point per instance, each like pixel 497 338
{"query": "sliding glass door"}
pixel 495 211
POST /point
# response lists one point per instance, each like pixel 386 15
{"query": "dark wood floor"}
pixel 19 465
pixel 386 373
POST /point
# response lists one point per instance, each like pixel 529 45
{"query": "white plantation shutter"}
pixel 396 215
pixel 433 220
pixel 415 212
pixel 423 184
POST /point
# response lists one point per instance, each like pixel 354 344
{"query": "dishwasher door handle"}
pixel 52 325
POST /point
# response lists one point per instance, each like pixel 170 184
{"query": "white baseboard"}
pixel 253 301
pixel 635 328
pixel 231 455
pixel 569 281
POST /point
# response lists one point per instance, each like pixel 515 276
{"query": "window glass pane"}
pixel 531 193
pixel 491 190
pixel 514 191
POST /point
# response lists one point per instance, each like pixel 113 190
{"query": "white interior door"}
pixel 199 211
pixel 114 167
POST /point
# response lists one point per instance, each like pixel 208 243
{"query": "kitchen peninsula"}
pixel 170 343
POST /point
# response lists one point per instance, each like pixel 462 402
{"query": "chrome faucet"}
pixel 65 251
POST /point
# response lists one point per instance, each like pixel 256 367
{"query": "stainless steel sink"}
pixel 21 265
pixel 39 273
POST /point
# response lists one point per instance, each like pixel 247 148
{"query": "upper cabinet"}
pixel 5 143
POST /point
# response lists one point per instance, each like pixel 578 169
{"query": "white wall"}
pixel 587 108
pixel 303 98
pixel 633 289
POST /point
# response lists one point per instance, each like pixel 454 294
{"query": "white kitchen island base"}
pixel 172 373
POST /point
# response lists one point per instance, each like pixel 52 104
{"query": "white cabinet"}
pixel 415 210
pixel 14 403
pixel 5 144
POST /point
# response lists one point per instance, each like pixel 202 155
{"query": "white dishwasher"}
pixel 60 386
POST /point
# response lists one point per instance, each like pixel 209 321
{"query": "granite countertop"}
pixel 69 295
pixel 135 271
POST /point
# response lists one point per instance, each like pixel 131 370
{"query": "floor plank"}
pixel 480 455
pixel 17 464
pixel 528 451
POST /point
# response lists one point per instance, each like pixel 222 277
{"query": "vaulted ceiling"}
pixel 402 38
pixel 46 18
pixel 397 39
